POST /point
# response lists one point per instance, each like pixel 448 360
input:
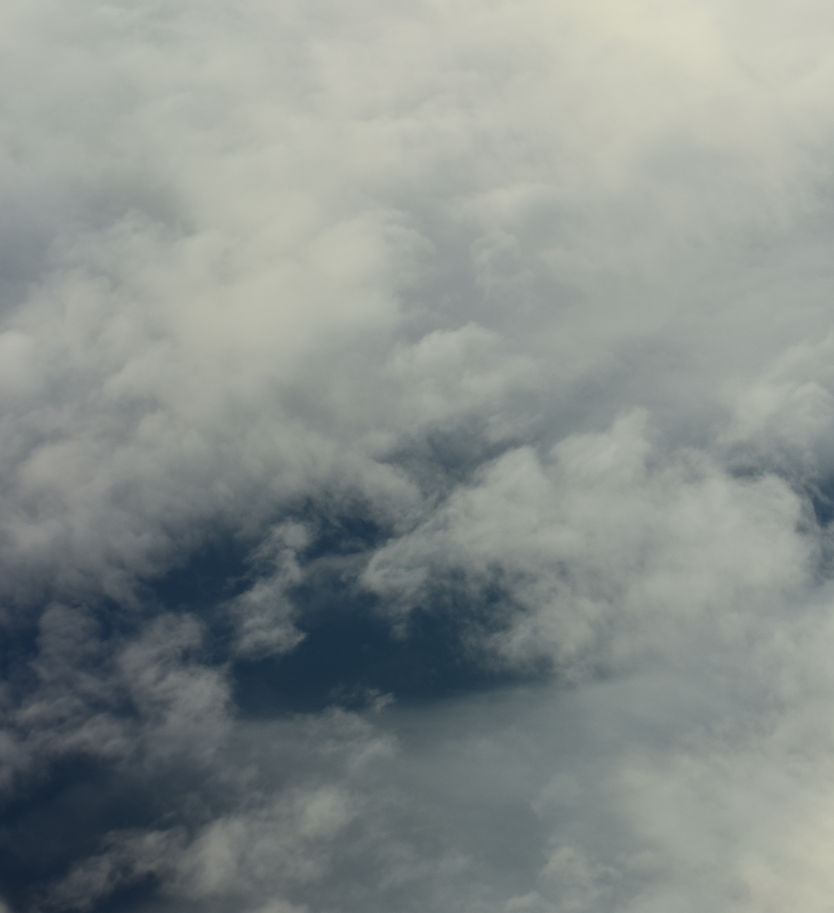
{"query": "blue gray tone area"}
pixel 417 436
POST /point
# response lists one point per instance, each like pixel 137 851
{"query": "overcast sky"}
pixel 417 440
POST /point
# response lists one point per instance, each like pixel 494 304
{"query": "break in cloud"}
pixel 418 443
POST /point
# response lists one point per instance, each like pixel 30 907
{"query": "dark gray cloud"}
pixel 417 457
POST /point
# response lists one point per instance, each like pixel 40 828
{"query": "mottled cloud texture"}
pixel 417 438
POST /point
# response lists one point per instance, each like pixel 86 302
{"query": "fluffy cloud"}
pixel 605 540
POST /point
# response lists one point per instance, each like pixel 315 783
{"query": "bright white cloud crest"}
pixel 540 291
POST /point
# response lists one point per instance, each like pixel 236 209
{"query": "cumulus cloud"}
pixel 463 345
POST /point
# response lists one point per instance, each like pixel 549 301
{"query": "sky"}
pixel 417 437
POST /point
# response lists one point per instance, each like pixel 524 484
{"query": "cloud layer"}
pixel 417 456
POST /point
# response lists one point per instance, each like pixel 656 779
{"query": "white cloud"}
pixel 604 547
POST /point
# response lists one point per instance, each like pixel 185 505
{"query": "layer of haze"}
pixel 501 332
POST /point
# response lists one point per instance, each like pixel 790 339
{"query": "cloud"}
pixel 602 547
pixel 263 613
pixel 502 329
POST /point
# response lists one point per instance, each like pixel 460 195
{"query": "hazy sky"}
pixel 417 443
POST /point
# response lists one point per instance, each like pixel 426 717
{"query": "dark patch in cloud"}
pixel 822 502
pixel 352 652
pixel 445 458
pixel 351 655
pixel 222 566
pixel 67 812
pixel 59 819
pixel 213 572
